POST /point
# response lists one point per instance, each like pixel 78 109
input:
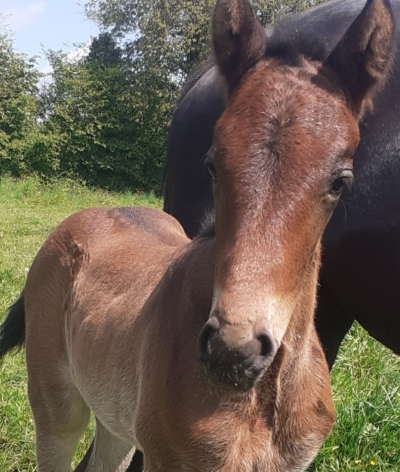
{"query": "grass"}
pixel 366 388
pixel 366 376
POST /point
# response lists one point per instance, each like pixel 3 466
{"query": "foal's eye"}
pixel 211 168
pixel 345 180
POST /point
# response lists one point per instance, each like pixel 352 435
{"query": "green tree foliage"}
pixel 108 118
pixel 21 144
pixel 135 112
pixel 171 36
pixel 104 117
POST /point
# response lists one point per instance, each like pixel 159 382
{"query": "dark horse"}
pixel 360 276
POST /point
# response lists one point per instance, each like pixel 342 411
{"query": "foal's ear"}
pixel 239 40
pixel 364 55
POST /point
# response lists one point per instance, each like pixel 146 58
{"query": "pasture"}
pixel 366 377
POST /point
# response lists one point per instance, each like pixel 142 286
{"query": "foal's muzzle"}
pixel 231 363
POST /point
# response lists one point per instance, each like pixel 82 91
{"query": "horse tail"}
pixel 12 331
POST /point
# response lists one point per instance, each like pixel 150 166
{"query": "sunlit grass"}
pixel 366 387
pixel 366 377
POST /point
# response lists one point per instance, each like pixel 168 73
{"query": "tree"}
pixel 170 36
pixel 159 41
pixel 104 117
pixel 19 135
pixel 104 51
pixel 110 126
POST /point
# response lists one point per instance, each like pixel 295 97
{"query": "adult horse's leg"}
pixel 109 452
pixel 331 321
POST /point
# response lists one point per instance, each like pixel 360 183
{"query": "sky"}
pixel 53 24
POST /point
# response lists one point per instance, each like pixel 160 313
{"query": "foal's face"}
pixel 281 156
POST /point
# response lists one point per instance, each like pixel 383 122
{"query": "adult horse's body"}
pixel 203 354
pixel 360 277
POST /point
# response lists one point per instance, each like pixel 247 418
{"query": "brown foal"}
pixel 203 354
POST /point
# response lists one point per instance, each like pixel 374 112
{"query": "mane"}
pixel 194 76
pixel 207 225
pixel 292 45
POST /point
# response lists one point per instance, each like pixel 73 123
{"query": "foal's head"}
pixel 281 156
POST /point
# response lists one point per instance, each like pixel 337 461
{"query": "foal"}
pixel 203 353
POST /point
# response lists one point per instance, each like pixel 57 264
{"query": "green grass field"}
pixel 366 377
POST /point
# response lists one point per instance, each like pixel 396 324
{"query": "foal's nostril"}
pixel 203 341
pixel 267 345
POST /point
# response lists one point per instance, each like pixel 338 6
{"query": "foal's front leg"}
pixel 60 420
pixel 109 454
pixel 136 464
